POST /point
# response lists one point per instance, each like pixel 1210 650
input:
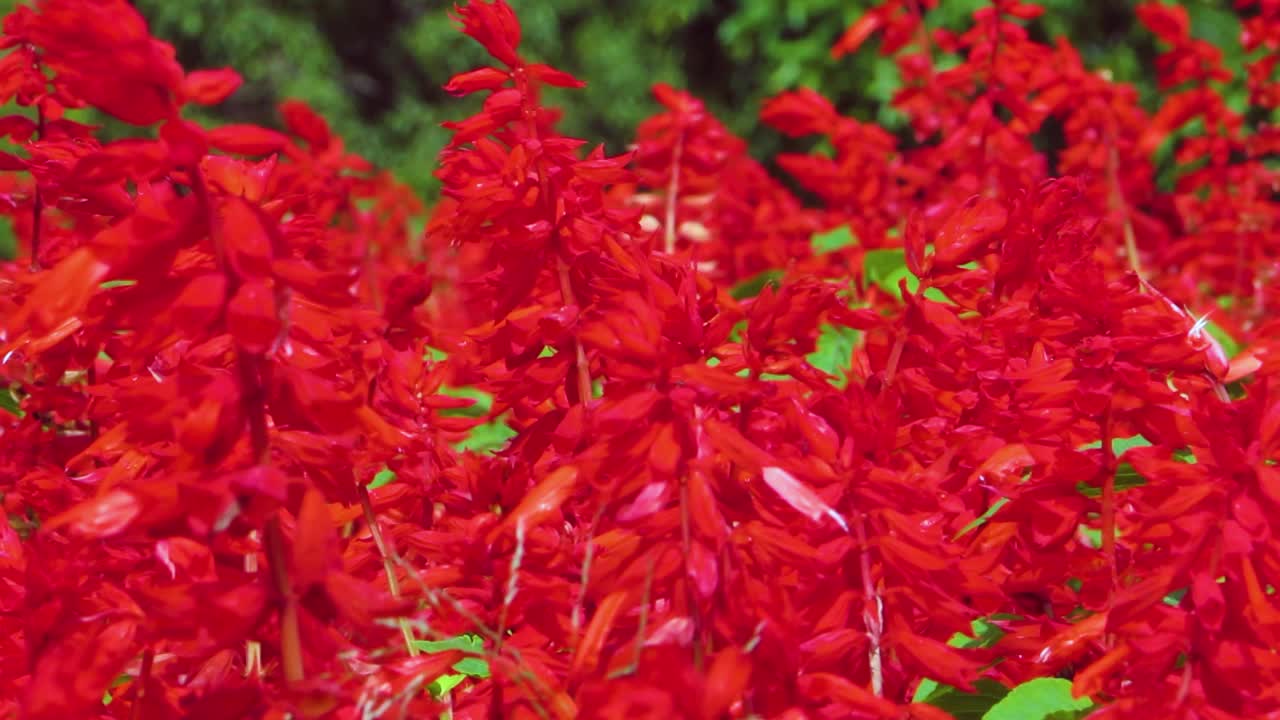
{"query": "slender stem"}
pixel 873 609
pixel 252 648
pixel 580 354
pixel 37 208
pixel 388 567
pixel 673 194
pixel 691 597
pixel 290 632
pixel 579 606
pixel 1108 498
pixel 530 110
pixel 144 679
pixel 1120 206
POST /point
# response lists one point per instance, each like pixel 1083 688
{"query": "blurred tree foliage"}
pixel 375 67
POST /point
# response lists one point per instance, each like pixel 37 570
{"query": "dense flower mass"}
pixel 985 425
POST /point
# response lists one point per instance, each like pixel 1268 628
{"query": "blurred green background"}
pixel 374 67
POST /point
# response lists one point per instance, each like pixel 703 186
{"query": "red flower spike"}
pixel 736 454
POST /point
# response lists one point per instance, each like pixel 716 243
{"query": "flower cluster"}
pixel 645 435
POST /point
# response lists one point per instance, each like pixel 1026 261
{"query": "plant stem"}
pixel 872 618
pixel 1108 499
pixel 290 633
pixel 144 679
pixel 673 195
pixel 384 550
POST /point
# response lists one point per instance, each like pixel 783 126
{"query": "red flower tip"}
pixel 493 25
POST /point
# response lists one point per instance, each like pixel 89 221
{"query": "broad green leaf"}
pixel 470 666
pixel 886 267
pixel 752 286
pixel 831 240
pixel 964 705
pixel 835 347
pixel 1040 699
pixel 488 437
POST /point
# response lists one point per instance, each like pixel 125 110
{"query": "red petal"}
pixel 968 229
pixel 210 87
pixel 554 77
pixel 588 652
pixel 103 516
pixel 252 317
pixel 313 541
pixel 857 34
pixel 247 140
pixel 486 78
pixel 800 497
pixel 304 122
pixel 545 499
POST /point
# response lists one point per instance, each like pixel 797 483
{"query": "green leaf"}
pixel 470 666
pixel 834 349
pixel 384 477
pixel 1040 699
pixel 982 519
pixel 1126 476
pixel 832 240
pixel 885 267
pixel 9 402
pixel 951 699
pixel 752 286
pixel 488 437
pixel 1119 445
pixel 8 241
pixel 964 705
pixel 483 402
pixel 1228 343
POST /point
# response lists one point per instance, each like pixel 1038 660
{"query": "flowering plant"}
pixel 988 429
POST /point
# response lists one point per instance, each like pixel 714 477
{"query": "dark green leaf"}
pixel 752 286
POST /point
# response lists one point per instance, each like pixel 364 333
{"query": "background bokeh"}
pixel 375 67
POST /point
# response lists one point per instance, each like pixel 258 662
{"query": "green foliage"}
pixel 8 241
pixel 9 402
pixel 1040 699
pixel 470 666
pixel 886 267
pixel 375 68
pixel 833 239
pixel 385 476
pixel 835 348
pixel 488 437
pixel 752 286
pixel 966 705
